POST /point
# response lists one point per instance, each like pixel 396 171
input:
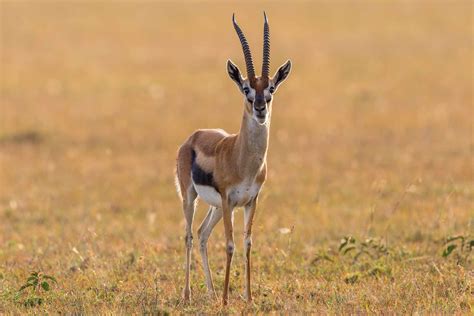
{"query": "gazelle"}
pixel 228 171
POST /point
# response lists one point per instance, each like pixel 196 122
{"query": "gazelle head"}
pixel 258 91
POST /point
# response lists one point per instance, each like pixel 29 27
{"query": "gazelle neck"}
pixel 252 143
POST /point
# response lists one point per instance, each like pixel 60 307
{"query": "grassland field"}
pixel 371 138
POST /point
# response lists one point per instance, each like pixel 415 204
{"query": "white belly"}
pixel 239 195
pixel 209 195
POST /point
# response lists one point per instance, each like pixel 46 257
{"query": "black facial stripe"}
pixel 259 98
pixel 200 176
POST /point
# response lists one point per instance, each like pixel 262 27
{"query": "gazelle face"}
pixel 258 93
pixel 258 99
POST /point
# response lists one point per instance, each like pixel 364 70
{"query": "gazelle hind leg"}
pixel 212 218
pixel 188 209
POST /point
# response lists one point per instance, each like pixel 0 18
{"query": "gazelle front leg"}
pixel 249 213
pixel 229 236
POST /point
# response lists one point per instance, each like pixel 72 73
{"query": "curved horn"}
pixel 246 49
pixel 266 48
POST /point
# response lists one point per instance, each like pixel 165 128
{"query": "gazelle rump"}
pixel 228 171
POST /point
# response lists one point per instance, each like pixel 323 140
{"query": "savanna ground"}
pixel 371 138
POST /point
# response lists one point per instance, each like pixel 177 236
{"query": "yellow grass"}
pixel 371 137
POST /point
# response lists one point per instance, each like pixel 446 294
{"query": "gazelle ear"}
pixel 282 73
pixel 234 73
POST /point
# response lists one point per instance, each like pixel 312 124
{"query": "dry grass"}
pixel 371 137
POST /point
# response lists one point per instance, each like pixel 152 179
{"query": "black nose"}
pixel 259 105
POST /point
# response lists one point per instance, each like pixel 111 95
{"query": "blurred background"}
pixel 371 136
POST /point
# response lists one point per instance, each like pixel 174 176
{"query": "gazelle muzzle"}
pixel 260 109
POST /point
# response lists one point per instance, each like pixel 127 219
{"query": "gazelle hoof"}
pixel 211 295
pixel 187 296
pixel 248 296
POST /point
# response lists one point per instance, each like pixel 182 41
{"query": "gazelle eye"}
pixel 272 89
pixel 246 90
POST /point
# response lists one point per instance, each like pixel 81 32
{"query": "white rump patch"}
pixel 178 187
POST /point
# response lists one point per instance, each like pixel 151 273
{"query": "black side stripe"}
pixel 200 176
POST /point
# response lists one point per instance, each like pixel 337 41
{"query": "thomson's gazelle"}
pixel 228 171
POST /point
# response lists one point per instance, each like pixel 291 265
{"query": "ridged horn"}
pixel 266 48
pixel 246 50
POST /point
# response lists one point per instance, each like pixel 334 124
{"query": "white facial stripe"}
pixel 252 92
pixel 267 94
pixel 270 87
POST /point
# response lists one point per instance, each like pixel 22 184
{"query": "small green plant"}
pixel 352 278
pixel 458 246
pixel 366 258
pixel 35 286
pixel 379 269
pixel 322 255
pixel 374 248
